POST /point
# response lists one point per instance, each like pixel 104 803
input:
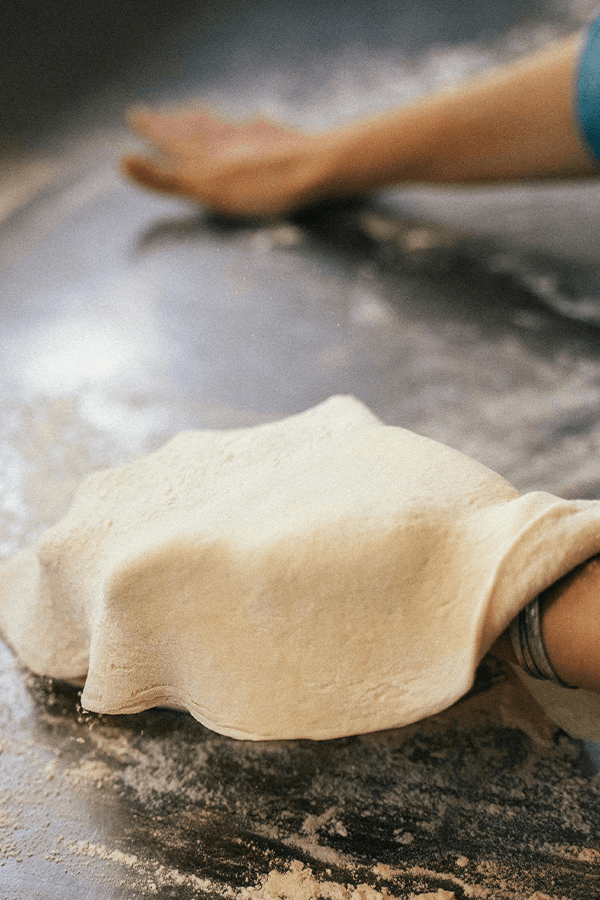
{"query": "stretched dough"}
pixel 321 576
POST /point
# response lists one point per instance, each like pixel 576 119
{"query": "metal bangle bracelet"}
pixel 527 641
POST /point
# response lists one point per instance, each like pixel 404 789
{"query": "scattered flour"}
pixel 299 883
pixel 155 874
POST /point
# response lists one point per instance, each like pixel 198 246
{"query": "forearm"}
pixel 514 123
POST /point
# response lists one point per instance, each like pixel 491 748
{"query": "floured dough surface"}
pixel 320 576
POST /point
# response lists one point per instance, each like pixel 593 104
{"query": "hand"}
pixel 253 168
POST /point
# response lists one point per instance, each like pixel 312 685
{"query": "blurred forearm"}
pixel 514 123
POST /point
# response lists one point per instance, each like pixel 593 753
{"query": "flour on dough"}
pixel 320 576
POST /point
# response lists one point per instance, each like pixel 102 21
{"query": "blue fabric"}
pixel 589 89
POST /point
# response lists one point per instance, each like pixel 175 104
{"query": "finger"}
pixel 170 127
pixel 151 174
pixel 262 127
pixel 152 126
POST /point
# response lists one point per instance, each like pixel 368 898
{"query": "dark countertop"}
pixel 470 316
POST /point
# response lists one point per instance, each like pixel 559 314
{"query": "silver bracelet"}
pixel 527 641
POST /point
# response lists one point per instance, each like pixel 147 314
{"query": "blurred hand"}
pixel 253 168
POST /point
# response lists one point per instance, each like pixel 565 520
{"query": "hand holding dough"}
pixel 321 576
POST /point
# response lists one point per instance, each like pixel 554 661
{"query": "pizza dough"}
pixel 317 577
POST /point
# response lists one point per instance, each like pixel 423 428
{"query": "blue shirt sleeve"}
pixel 588 89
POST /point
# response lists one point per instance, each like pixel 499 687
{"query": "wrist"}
pixel 571 625
pixel 367 155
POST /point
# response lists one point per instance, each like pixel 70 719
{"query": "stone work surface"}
pixel 487 800
pixel 470 316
